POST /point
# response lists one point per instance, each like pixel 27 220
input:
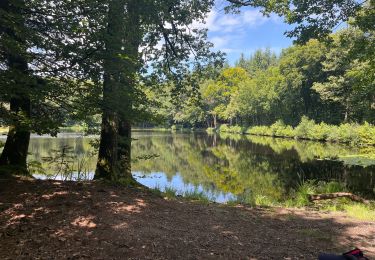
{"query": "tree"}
pixel 260 60
pixel 312 18
pixel 136 30
pixel 14 61
pixel 217 94
pixel 301 65
pixel 350 83
pixel 36 91
pixel 258 98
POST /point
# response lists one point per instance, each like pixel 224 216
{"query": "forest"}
pixel 327 82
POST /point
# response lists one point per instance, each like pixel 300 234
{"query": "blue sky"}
pixel 245 32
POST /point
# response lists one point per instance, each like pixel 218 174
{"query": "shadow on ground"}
pixel 56 220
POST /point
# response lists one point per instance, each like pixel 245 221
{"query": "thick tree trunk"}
pixel 16 146
pixel 125 150
pixel 114 160
pixel 107 165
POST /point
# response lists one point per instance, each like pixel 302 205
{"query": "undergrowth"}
pixel 354 134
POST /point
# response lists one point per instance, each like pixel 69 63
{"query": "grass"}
pixel 170 192
pixel 353 209
pixel 197 196
pixel 360 211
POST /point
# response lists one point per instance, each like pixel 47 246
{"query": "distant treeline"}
pixel 325 81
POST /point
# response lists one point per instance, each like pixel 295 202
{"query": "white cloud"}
pixel 220 21
pixel 220 41
pixel 239 33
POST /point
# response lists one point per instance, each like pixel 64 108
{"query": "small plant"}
pixel 67 165
pixel 304 190
pixel 35 167
pixel 197 195
pixel 170 192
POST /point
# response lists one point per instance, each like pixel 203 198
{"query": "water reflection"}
pixel 253 169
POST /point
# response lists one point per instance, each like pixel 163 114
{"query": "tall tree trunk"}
pixel 133 37
pixel 114 160
pixel 107 166
pixel 16 146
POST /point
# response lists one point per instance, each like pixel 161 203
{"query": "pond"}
pixel 224 168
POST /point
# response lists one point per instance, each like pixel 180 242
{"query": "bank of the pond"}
pixel 353 134
pixel 66 220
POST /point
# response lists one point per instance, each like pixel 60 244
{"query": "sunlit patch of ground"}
pixel 56 220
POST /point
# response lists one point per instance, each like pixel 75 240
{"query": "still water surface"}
pixel 248 168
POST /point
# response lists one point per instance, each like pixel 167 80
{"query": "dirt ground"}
pixel 65 220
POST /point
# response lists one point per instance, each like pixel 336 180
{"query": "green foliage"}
pixel 224 128
pixel 210 130
pixel 259 130
pixel 304 128
pixel 325 82
pixel 279 129
pixel 360 211
pixel 301 197
pixel 170 192
pixel 307 129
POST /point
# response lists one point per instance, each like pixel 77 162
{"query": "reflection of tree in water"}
pixel 267 169
pixel 251 167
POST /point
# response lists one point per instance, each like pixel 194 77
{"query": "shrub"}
pixel 319 132
pixel 259 130
pixel 224 128
pixel 308 129
pixel 347 134
pixel 236 129
pixel 279 129
pixel 303 129
pixel 366 134
pixel 210 130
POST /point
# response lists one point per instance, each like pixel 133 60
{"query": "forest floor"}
pixel 91 220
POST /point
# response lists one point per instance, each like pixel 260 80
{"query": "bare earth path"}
pixel 55 220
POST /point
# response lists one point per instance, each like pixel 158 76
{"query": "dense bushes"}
pixel 307 129
pixel 231 129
